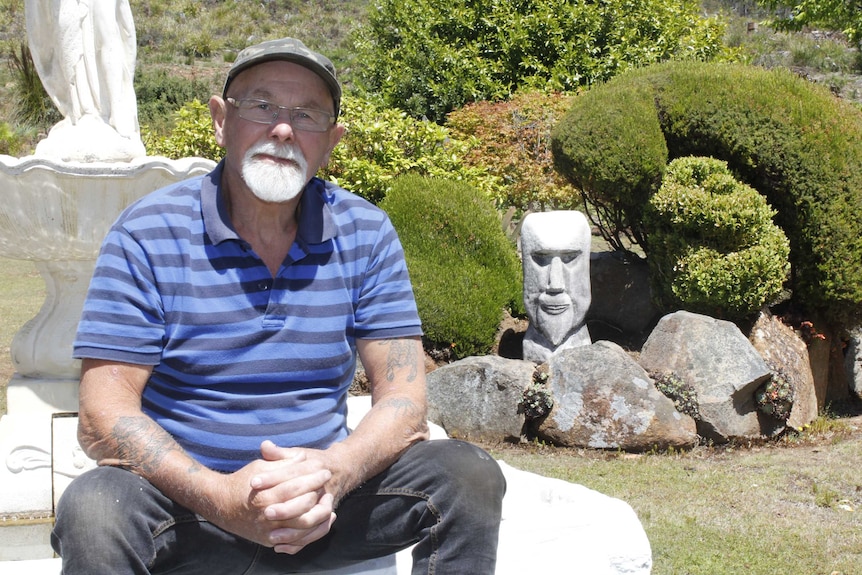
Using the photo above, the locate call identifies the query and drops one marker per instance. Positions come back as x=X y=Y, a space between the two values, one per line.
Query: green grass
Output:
x=22 y=292
x=759 y=511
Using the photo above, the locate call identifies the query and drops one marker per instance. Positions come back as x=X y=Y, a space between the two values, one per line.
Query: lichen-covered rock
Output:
x=604 y=399
x=716 y=359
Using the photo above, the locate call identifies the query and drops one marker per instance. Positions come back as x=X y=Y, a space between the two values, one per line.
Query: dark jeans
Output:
x=444 y=496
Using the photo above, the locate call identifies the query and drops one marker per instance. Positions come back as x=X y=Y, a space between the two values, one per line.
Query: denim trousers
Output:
x=443 y=496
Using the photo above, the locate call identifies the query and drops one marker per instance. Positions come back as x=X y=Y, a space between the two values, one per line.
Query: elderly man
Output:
x=218 y=342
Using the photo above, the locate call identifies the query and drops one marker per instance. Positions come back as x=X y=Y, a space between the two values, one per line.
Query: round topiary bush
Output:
x=791 y=140
x=714 y=248
x=464 y=270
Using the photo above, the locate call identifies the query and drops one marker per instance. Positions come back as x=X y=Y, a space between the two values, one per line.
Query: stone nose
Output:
x=556 y=276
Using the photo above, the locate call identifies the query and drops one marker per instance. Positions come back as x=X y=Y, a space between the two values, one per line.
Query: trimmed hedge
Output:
x=791 y=140
x=464 y=270
x=714 y=248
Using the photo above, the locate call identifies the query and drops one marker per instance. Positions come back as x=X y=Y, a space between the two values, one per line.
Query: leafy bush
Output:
x=160 y=95
x=512 y=141
x=32 y=105
x=464 y=270
x=610 y=146
x=379 y=144
x=430 y=58
x=12 y=143
x=791 y=140
x=842 y=15
x=382 y=143
x=713 y=246
x=191 y=136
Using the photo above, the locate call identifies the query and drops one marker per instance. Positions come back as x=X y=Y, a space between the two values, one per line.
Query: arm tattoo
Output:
x=402 y=406
x=142 y=444
x=402 y=353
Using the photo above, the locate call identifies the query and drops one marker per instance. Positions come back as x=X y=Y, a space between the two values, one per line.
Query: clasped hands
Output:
x=281 y=500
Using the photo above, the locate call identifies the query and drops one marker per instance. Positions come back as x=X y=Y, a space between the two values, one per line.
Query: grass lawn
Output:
x=791 y=508
x=22 y=292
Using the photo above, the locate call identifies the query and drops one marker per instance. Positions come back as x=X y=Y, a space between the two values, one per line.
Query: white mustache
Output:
x=271 y=149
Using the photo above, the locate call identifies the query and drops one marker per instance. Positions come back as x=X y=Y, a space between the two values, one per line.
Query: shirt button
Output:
x=263 y=286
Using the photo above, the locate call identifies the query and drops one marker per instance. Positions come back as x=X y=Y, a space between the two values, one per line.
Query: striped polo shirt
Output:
x=240 y=356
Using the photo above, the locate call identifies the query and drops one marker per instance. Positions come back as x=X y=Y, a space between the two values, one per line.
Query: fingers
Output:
x=293 y=508
x=271 y=452
x=305 y=529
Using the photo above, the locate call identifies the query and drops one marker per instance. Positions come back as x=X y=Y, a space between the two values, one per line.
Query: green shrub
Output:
x=382 y=143
x=12 y=143
x=429 y=58
x=160 y=95
x=791 y=140
x=512 y=141
x=31 y=104
x=713 y=246
x=464 y=270
x=610 y=146
x=191 y=136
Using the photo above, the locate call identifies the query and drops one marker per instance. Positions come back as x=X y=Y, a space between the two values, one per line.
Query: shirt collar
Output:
x=316 y=224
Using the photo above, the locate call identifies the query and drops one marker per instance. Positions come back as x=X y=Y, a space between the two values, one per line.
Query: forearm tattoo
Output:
x=142 y=444
x=402 y=354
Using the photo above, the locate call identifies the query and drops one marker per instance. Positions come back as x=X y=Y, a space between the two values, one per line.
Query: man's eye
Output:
x=301 y=114
x=265 y=106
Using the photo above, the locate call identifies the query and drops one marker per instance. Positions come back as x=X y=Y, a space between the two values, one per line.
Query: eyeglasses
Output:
x=263 y=112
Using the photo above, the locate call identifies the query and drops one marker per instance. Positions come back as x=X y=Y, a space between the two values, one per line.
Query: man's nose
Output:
x=281 y=128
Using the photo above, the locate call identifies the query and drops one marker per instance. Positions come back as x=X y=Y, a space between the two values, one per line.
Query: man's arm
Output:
x=114 y=430
x=398 y=417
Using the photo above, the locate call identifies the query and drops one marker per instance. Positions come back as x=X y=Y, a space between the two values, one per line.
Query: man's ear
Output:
x=218 y=113
x=335 y=135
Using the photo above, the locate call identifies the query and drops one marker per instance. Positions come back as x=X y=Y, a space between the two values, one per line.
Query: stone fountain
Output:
x=55 y=208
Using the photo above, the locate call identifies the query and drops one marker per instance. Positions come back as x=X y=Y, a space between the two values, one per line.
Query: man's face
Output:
x=556 y=274
x=275 y=161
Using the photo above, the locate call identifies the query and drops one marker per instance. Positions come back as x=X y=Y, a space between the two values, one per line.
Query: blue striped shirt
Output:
x=240 y=356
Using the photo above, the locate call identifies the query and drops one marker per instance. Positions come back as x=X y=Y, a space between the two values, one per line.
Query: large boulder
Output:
x=718 y=362
x=604 y=399
x=477 y=398
x=786 y=353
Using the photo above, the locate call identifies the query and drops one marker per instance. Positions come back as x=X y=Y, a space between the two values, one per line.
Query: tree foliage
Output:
x=841 y=15
x=429 y=58
x=382 y=143
x=511 y=141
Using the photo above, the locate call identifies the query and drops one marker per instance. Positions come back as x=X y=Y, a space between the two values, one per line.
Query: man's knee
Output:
x=102 y=487
x=465 y=466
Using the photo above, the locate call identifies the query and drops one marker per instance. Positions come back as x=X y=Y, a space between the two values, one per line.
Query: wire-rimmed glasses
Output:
x=263 y=112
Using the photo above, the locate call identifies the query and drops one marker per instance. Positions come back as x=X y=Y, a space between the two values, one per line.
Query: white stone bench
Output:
x=546 y=522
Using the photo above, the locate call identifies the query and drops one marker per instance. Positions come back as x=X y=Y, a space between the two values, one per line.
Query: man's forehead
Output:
x=278 y=76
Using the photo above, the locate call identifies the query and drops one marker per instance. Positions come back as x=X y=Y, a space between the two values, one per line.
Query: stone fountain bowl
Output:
x=58 y=211
x=56 y=214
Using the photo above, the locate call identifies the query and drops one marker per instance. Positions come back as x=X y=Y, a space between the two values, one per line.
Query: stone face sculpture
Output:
x=84 y=52
x=556 y=260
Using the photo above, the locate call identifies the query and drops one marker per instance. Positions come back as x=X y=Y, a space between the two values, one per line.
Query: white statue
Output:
x=555 y=248
x=84 y=52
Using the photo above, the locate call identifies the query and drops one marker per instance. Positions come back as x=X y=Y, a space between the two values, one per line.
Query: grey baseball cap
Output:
x=290 y=50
